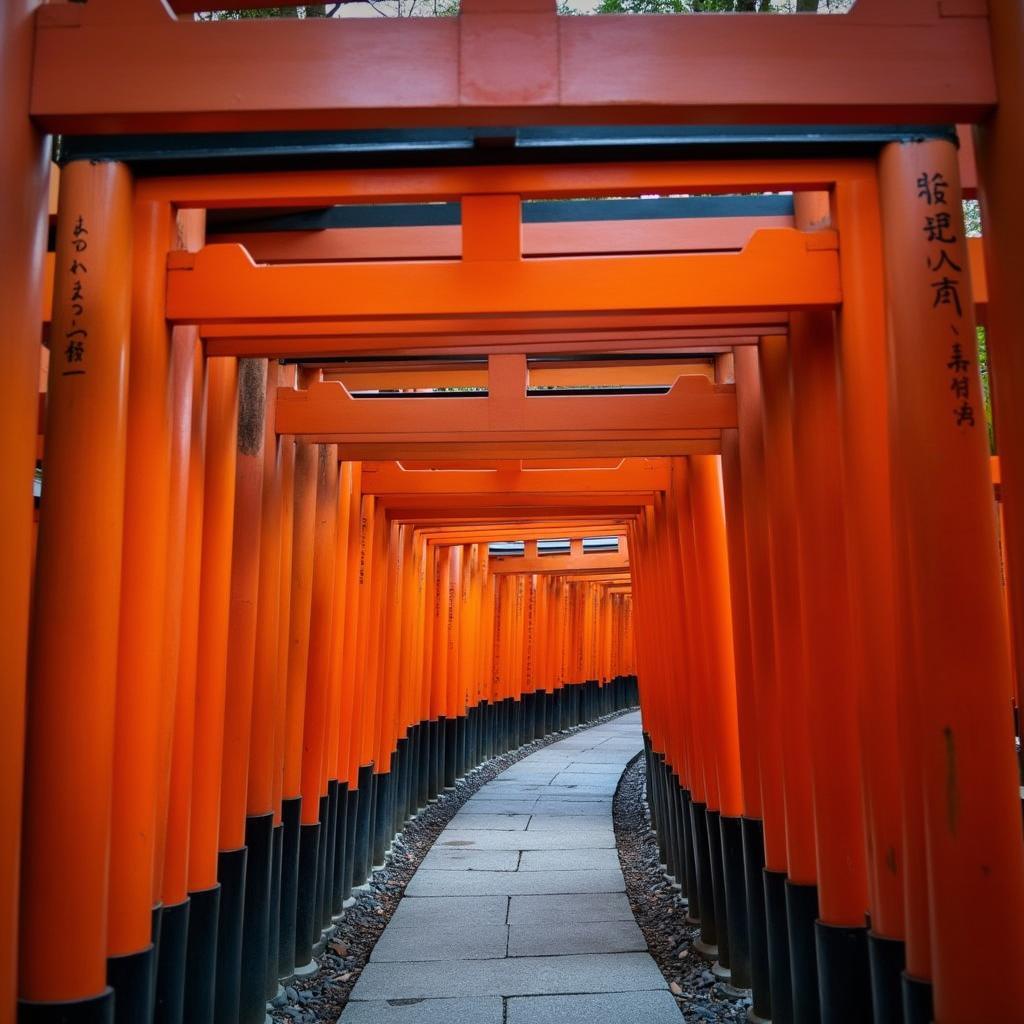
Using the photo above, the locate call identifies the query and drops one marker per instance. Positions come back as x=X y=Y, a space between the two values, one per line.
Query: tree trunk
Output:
x=806 y=6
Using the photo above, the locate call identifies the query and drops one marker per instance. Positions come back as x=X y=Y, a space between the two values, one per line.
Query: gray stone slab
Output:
x=499 y=805
x=612 y=1008
x=576 y=860
x=514 y=976
x=582 y=768
x=569 y=823
x=445 y=939
x=491 y=822
x=598 y=756
x=466 y=912
x=528 y=938
x=489 y=1010
x=582 y=908
x=454 y=858
x=576 y=839
x=509 y=883
x=574 y=809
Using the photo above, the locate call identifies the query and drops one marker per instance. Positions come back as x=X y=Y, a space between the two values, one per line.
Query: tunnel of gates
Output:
x=366 y=458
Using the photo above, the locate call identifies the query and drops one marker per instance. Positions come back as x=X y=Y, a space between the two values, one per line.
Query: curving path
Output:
x=518 y=914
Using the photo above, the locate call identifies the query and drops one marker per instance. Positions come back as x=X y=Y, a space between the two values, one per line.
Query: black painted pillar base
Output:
x=170 y=966
x=381 y=819
x=201 y=955
x=425 y=763
x=231 y=869
x=918 y=1007
x=802 y=913
x=777 y=925
x=844 y=977
x=753 y=865
x=735 y=884
x=361 y=853
x=96 y=1010
x=132 y=978
x=274 y=914
x=325 y=867
x=307 y=929
x=291 y=817
x=708 y=944
x=259 y=840
x=690 y=886
x=350 y=841
x=451 y=750
x=718 y=890
x=340 y=852
x=887 y=958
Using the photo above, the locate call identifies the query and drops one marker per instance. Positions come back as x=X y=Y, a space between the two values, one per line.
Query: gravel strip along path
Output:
x=319 y=998
x=661 y=914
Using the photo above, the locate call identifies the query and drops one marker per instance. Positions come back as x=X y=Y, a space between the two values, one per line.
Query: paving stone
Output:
x=576 y=809
x=491 y=822
x=577 y=839
x=513 y=976
x=441 y=940
x=499 y=805
x=612 y=1008
x=455 y=858
x=583 y=908
x=488 y=1010
x=592 y=769
x=569 y=823
x=508 y=883
x=528 y=938
x=577 y=860
x=465 y=910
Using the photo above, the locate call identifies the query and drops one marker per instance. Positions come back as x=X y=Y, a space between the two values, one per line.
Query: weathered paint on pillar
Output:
x=73 y=654
x=1000 y=152
x=24 y=170
x=972 y=800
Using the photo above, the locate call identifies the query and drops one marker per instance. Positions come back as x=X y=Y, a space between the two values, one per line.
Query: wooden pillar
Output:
x=832 y=697
x=211 y=669
x=73 y=654
x=233 y=855
x=24 y=170
x=972 y=800
x=140 y=673
x=870 y=540
x=181 y=631
x=801 y=885
x=1000 y=151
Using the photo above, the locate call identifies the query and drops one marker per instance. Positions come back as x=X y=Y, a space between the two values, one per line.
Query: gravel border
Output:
x=320 y=997
x=661 y=913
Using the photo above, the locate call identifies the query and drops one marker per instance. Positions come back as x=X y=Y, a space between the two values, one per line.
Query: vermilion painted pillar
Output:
x=999 y=150
x=766 y=847
x=24 y=170
x=864 y=411
x=73 y=654
x=181 y=631
x=300 y=587
x=307 y=928
x=211 y=669
x=971 y=795
x=233 y=847
x=140 y=672
x=832 y=697
x=801 y=884
x=262 y=835
x=706 y=502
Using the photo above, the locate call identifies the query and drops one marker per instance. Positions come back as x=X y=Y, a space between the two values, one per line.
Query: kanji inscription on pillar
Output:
x=945 y=261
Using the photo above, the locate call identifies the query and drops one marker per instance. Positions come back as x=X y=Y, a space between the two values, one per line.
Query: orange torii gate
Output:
x=941 y=492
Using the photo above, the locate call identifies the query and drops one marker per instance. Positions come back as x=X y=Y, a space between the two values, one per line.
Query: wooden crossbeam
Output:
x=777 y=270
x=509 y=422
x=126 y=66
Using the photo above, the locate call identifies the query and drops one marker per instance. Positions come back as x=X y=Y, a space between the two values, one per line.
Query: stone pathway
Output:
x=519 y=915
